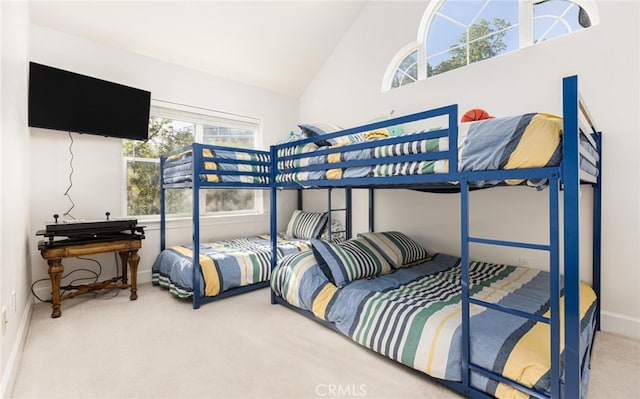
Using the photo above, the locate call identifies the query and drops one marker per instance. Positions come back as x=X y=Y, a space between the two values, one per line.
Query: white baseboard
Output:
x=144 y=276
x=620 y=324
x=10 y=373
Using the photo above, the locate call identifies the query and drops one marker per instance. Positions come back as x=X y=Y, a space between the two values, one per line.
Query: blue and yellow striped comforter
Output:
x=178 y=168
x=413 y=316
x=531 y=140
x=224 y=264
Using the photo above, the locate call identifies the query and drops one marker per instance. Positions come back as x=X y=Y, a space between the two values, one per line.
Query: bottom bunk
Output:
x=388 y=294
x=225 y=265
x=237 y=265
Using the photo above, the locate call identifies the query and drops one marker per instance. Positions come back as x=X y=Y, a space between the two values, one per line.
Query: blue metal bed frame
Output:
x=195 y=184
x=567 y=176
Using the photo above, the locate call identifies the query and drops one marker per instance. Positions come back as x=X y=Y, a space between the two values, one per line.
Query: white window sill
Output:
x=205 y=221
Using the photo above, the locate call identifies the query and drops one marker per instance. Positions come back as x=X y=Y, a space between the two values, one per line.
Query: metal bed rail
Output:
x=281 y=158
x=197 y=160
x=253 y=164
x=568 y=175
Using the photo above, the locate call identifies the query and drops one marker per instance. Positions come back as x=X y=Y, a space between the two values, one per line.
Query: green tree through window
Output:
x=143 y=169
x=484 y=40
x=456 y=33
x=166 y=134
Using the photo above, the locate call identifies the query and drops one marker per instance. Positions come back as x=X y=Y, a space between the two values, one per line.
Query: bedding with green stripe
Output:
x=350 y=260
x=223 y=265
x=178 y=168
x=532 y=140
x=413 y=316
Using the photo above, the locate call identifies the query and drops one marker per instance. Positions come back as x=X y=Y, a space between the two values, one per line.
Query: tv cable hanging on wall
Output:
x=66 y=193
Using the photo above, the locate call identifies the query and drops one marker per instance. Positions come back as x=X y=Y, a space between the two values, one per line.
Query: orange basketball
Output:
x=475 y=114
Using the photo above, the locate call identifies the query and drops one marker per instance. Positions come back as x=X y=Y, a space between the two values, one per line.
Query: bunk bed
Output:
x=481 y=329
x=227 y=267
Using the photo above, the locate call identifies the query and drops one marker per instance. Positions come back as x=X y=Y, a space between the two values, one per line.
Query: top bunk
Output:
x=204 y=165
x=438 y=151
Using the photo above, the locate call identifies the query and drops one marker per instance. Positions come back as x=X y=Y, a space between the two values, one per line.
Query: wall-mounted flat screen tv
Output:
x=67 y=101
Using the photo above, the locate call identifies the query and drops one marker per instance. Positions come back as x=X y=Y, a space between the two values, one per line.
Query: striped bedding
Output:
x=524 y=141
x=178 y=168
x=414 y=147
x=224 y=264
x=413 y=316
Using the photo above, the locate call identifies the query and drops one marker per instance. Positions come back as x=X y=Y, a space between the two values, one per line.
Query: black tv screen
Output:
x=63 y=100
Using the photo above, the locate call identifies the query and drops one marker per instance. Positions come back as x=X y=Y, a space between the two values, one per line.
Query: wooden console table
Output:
x=126 y=247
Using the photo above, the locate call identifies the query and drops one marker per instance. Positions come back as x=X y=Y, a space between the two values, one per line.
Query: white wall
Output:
x=98 y=181
x=347 y=92
x=15 y=237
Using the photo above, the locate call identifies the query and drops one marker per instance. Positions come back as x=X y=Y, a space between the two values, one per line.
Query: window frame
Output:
x=200 y=117
x=525 y=26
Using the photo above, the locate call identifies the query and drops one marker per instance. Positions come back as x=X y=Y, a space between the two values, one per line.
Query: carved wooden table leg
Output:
x=124 y=255
x=55 y=272
x=134 y=258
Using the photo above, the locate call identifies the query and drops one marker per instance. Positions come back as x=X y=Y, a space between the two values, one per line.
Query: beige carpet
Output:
x=239 y=347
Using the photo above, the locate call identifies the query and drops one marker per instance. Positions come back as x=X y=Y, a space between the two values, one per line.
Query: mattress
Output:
x=524 y=141
x=224 y=265
x=178 y=168
x=413 y=316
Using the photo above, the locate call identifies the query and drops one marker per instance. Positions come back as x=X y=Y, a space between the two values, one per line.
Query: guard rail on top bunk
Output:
x=566 y=176
x=199 y=166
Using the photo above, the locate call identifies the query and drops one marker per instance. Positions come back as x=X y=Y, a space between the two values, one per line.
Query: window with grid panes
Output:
x=172 y=127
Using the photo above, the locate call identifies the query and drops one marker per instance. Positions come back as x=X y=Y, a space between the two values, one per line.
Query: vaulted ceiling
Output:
x=276 y=45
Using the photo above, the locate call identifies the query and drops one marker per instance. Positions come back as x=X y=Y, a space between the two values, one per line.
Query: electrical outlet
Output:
x=4 y=321
x=524 y=262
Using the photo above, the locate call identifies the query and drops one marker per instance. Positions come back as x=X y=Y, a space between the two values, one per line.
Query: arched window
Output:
x=456 y=33
x=407 y=72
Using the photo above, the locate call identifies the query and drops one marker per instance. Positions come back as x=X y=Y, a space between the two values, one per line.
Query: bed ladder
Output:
x=347 y=210
x=467 y=300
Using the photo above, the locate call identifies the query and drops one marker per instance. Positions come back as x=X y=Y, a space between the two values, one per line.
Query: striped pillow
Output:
x=306 y=225
x=350 y=260
x=398 y=248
